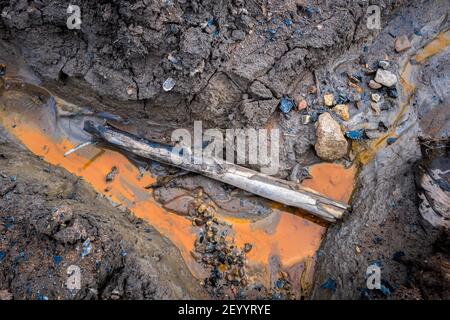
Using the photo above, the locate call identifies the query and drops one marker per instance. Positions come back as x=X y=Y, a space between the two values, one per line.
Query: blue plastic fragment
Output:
x=288 y=22
x=2 y=255
x=86 y=248
x=57 y=260
x=330 y=284
x=211 y=22
x=279 y=284
x=391 y=140
x=286 y=104
x=356 y=134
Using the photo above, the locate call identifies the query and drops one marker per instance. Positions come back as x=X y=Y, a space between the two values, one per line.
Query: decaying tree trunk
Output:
x=262 y=185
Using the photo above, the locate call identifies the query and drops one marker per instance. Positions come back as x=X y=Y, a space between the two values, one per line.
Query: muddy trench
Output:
x=364 y=120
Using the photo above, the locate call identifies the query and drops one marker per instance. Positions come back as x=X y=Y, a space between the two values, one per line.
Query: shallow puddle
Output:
x=284 y=240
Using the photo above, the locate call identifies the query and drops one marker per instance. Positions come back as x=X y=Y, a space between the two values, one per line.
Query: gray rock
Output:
x=383 y=64
x=238 y=35
x=374 y=85
x=386 y=78
x=330 y=142
x=260 y=91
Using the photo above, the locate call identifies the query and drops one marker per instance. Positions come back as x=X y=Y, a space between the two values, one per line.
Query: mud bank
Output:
x=52 y=220
x=231 y=61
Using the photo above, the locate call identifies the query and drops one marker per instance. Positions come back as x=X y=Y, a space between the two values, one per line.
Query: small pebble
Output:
x=168 y=84
x=402 y=43
x=384 y=64
x=375 y=97
x=386 y=78
x=342 y=111
x=374 y=85
x=302 y=105
x=328 y=99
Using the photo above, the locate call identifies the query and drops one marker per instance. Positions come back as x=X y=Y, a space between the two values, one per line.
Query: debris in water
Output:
x=168 y=84
x=402 y=43
x=79 y=147
x=386 y=78
x=391 y=140
x=248 y=247
x=286 y=104
x=112 y=174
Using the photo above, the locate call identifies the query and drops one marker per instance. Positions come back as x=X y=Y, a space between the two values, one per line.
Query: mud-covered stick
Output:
x=257 y=183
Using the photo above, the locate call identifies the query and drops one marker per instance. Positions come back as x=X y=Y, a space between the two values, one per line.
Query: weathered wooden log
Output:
x=278 y=190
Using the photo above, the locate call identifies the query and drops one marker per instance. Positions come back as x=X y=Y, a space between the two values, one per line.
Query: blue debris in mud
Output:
x=41 y=297
x=19 y=258
x=330 y=284
x=391 y=140
x=57 y=260
x=386 y=289
x=287 y=22
x=272 y=34
x=393 y=93
x=286 y=104
x=279 y=284
x=211 y=21
x=2 y=255
x=356 y=134
x=376 y=263
x=311 y=10
x=342 y=98
x=397 y=256
x=86 y=248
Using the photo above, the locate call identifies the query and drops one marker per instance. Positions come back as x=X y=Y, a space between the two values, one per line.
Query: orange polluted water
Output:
x=281 y=241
